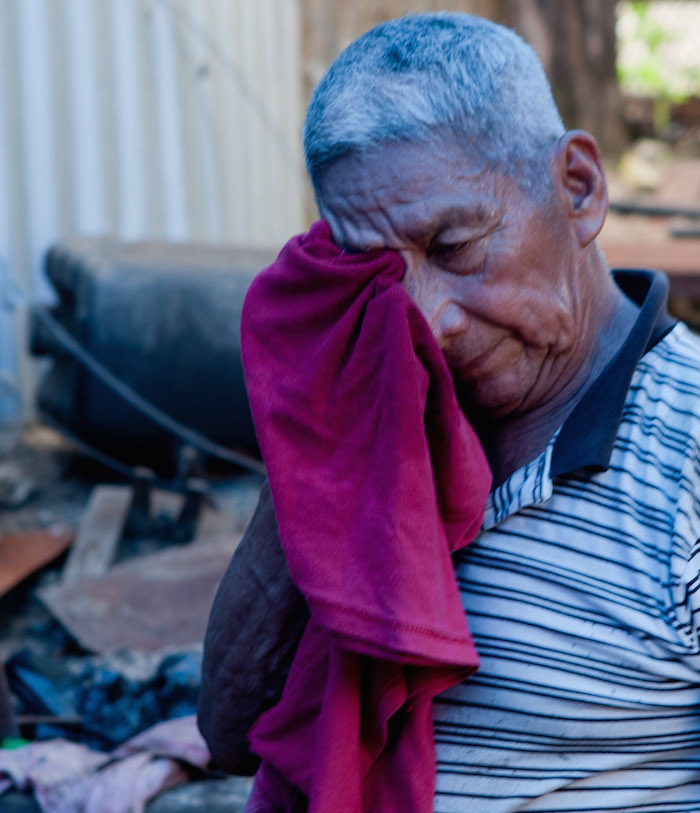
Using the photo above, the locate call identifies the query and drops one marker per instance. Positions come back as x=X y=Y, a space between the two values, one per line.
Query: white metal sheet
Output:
x=174 y=119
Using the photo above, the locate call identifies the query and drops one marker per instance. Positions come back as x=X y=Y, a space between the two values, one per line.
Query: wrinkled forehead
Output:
x=406 y=169
x=403 y=189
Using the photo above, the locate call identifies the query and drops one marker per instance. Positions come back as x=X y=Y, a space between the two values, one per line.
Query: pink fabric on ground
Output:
x=67 y=777
x=376 y=478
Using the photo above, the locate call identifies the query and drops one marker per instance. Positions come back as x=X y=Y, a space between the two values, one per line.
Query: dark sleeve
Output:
x=254 y=628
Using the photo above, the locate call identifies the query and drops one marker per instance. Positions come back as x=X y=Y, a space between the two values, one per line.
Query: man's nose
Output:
x=436 y=300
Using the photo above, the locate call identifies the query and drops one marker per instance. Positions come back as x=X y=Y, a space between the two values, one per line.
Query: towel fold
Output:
x=376 y=477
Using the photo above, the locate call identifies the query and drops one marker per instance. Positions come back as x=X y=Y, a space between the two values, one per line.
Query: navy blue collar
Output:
x=586 y=439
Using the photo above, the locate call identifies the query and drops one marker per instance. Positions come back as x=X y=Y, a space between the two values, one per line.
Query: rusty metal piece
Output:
x=24 y=552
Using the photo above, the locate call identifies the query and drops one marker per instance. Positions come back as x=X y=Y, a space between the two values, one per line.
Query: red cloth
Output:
x=376 y=478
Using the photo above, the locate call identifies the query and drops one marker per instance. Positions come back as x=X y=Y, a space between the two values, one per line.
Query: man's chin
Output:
x=483 y=405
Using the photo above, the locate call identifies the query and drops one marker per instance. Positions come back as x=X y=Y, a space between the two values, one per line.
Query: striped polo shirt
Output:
x=582 y=596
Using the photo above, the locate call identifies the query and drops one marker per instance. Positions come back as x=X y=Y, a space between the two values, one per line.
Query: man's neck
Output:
x=512 y=442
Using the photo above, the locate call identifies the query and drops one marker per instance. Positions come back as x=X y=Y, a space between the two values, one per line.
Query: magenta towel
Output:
x=376 y=477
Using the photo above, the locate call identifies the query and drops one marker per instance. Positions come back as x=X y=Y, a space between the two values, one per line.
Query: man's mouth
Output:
x=474 y=366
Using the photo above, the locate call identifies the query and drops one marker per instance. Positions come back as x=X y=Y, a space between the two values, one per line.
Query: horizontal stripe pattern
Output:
x=583 y=597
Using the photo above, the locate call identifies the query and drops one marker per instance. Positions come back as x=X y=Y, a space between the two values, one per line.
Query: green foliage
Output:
x=648 y=63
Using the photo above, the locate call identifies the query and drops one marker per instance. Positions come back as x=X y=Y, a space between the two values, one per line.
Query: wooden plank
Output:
x=100 y=530
x=24 y=552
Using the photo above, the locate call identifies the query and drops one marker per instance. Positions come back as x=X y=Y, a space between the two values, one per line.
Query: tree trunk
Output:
x=575 y=40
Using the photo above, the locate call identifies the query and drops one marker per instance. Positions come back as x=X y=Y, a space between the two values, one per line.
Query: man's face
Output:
x=485 y=263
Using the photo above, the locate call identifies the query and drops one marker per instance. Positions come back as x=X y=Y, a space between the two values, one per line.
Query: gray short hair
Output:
x=419 y=76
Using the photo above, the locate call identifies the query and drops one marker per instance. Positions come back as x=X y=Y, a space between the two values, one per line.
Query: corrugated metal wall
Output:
x=175 y=119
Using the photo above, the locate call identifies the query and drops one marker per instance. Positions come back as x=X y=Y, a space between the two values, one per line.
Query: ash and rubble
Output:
x=98 y=688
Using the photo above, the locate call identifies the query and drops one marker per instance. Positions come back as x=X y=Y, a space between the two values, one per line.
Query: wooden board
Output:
x=100 y=530
x=24 y=552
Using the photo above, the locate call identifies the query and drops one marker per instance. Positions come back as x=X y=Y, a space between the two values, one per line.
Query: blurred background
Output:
x=179 y=120
x=150 y=166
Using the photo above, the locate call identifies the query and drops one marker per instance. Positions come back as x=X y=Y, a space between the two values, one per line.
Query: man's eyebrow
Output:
x=477 y=213
x=459 y=216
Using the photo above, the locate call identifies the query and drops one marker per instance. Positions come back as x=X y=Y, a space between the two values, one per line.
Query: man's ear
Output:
x=577 y=172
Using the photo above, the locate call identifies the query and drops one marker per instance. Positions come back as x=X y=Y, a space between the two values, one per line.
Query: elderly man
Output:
x=436 y=137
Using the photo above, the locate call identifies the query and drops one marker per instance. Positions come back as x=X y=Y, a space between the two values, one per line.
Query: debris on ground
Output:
x=138 y=603
x=68 y=777
x=103 y=701
x=105 y=590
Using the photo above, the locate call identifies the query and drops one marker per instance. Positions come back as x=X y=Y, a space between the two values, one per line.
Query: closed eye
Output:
x=445 y=251
x=461 y=257
x=464 y=257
